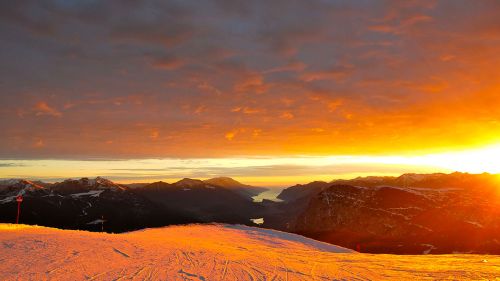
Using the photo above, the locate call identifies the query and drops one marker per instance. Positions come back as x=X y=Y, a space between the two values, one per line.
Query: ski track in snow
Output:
x=213 y=252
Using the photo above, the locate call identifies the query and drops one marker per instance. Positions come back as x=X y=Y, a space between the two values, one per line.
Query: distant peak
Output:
x=9 y=181
x=224 y=182
x=104 y=181
x=223 y=178
x=189 y=182
x=100 y=182
x=21 y=183
x=419 y=177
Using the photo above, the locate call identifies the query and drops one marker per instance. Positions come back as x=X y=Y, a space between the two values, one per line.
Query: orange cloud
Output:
x=256 y=132
x=422 y=75
x=39 y=143
x=287 y=115
x=336 y=73
x=168 y=63
x=294 y=66
x=230 y=135
x=396 y=24
x=155 y=133
x=253 y=83
x=42 y=108
x=333 y=105
x=246 y=110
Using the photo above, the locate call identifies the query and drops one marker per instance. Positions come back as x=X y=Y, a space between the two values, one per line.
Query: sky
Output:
x=270 y=92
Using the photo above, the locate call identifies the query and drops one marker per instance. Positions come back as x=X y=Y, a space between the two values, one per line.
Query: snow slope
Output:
x=212 y=252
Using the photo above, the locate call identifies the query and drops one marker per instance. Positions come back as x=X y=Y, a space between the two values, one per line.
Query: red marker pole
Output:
x=19 y=199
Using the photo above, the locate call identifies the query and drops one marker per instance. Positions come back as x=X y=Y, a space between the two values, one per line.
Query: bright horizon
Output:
x=259 y=171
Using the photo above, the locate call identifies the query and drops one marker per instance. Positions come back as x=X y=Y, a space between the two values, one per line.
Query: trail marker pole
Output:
x=19 y=199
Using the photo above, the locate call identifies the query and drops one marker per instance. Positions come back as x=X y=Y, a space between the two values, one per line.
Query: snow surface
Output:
x=258 y=221
x=213 y=252
x=99 y=221
x=475 y=223
x=10 y=198
x=92 y=193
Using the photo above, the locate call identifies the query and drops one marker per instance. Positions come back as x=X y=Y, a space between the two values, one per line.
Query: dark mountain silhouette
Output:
x=300 y=191
x=281 y=215
x=202 y=200
x=409 y=214
x=81 y=204
x=229 y=183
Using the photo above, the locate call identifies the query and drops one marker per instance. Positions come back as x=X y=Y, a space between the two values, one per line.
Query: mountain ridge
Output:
x=375 y=213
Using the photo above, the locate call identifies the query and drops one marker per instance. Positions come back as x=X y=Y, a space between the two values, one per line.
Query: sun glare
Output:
x=484 y=160
x=277 y=171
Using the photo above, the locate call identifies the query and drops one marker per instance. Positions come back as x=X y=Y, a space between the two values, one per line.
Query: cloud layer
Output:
x=127 y=79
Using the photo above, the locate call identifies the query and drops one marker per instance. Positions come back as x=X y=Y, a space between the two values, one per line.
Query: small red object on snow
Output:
x=19 y=199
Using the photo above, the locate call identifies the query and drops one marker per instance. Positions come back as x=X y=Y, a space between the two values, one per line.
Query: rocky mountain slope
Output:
x=411 y=214
x=229 y=183
x=203 y=200
x=92 y=204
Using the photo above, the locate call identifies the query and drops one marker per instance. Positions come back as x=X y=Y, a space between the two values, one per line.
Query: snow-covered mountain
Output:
x=213 y=252
x=101 y=183
x=79 y=203
x=76 y=204
x=71 y=186
x=19 y=184
x=11 y=188
x=412 y=214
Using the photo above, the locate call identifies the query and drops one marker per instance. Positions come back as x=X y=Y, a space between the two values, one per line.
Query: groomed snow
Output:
x=212 y=252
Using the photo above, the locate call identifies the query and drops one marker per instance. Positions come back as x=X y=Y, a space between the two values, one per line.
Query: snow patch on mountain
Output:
x=92 y=193
x=100 y=183
x=17 y=187
x=99 y=221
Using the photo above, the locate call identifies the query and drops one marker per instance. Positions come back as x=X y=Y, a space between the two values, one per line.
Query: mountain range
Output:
x=409 y=214
x=91 y=203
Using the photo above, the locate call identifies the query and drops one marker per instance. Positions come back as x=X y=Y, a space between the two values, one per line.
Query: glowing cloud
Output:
x=184 y=79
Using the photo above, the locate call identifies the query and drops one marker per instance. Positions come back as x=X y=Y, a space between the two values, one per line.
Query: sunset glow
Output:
x=266 y=171
x=250 y=140
x=353 y=88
